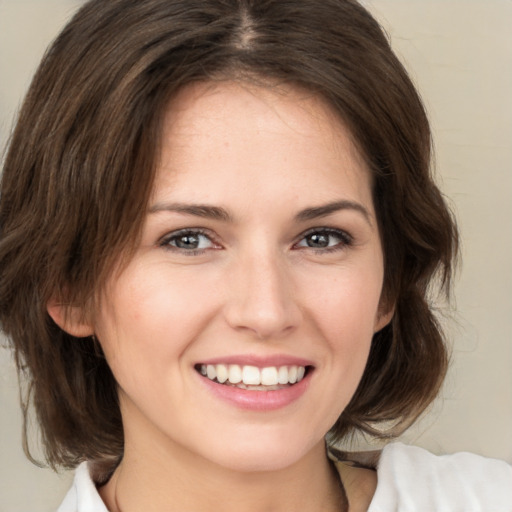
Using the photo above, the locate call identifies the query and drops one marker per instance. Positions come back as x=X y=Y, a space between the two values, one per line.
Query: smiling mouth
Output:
x=248 y=377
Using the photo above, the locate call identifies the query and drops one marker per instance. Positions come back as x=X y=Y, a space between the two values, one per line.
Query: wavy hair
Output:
x=80 y=168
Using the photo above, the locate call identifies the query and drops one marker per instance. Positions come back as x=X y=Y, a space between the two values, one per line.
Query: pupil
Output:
x=188 y=242
x=318 y=240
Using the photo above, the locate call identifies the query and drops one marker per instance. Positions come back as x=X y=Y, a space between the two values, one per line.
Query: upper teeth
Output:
x=252 y=375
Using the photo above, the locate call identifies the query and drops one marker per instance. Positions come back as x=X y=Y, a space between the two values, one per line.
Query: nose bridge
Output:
x=262 y=299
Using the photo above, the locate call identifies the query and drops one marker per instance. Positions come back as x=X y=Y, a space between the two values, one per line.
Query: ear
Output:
x=383 y=318
x=70 y=319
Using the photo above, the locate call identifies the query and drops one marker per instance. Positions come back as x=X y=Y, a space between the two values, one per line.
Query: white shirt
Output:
x=410 y=479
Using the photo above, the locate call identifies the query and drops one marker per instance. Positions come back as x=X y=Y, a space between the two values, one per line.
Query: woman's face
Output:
x=260 y=260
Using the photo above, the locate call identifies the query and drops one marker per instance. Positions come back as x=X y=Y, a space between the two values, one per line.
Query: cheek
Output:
x=344 y=314
x=150 y=314
x=346 y=304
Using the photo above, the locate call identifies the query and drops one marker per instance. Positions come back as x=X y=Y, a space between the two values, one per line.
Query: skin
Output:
x=254 y=288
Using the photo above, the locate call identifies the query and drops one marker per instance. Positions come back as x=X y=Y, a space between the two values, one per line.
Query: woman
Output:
x=218 y=234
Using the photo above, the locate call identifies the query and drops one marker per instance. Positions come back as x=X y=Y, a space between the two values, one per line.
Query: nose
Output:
x=261 y=299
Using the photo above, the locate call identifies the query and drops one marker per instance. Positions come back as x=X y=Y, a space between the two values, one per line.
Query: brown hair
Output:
x=81 y=163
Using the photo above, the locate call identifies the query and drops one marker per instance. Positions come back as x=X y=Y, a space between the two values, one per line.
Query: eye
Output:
x=188 y=240
x=325 y=239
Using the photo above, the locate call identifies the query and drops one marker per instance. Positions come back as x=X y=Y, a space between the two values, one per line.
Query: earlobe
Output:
x=383 y=318
x=70 y=319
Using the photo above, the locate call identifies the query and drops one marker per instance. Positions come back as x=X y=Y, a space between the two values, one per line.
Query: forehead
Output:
x=268 y=139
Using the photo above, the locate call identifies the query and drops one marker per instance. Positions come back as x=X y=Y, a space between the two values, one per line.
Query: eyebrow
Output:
x=219 y=213
x=323 y=211
x=198 y=210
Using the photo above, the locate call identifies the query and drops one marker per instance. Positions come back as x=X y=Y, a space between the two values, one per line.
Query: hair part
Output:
x=81 y=164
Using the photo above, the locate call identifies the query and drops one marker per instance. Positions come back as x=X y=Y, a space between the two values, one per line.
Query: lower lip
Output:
x=258 y=400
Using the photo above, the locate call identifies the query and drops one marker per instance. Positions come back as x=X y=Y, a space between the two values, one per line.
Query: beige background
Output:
x=460 y=55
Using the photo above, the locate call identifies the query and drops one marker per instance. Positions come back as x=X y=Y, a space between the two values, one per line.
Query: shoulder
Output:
x=405 y=478
x=83 y=495
x=411 y=478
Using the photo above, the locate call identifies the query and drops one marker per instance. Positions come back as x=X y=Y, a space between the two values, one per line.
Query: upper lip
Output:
x=259 y=361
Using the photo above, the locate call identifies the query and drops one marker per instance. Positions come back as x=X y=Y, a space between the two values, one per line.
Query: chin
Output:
x=257 y=454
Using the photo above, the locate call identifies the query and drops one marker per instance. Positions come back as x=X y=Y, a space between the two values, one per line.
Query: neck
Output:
x=153 y=480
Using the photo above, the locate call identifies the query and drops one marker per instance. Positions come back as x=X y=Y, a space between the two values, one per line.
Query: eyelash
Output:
x=165 y=242
x=346 y=240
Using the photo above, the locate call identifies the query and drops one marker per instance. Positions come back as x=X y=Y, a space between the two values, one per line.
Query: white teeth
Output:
x=282 y=375
x=252 y=375
x=269 y=376
x=211 y=373
x=235 y=374
x=222 y=373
